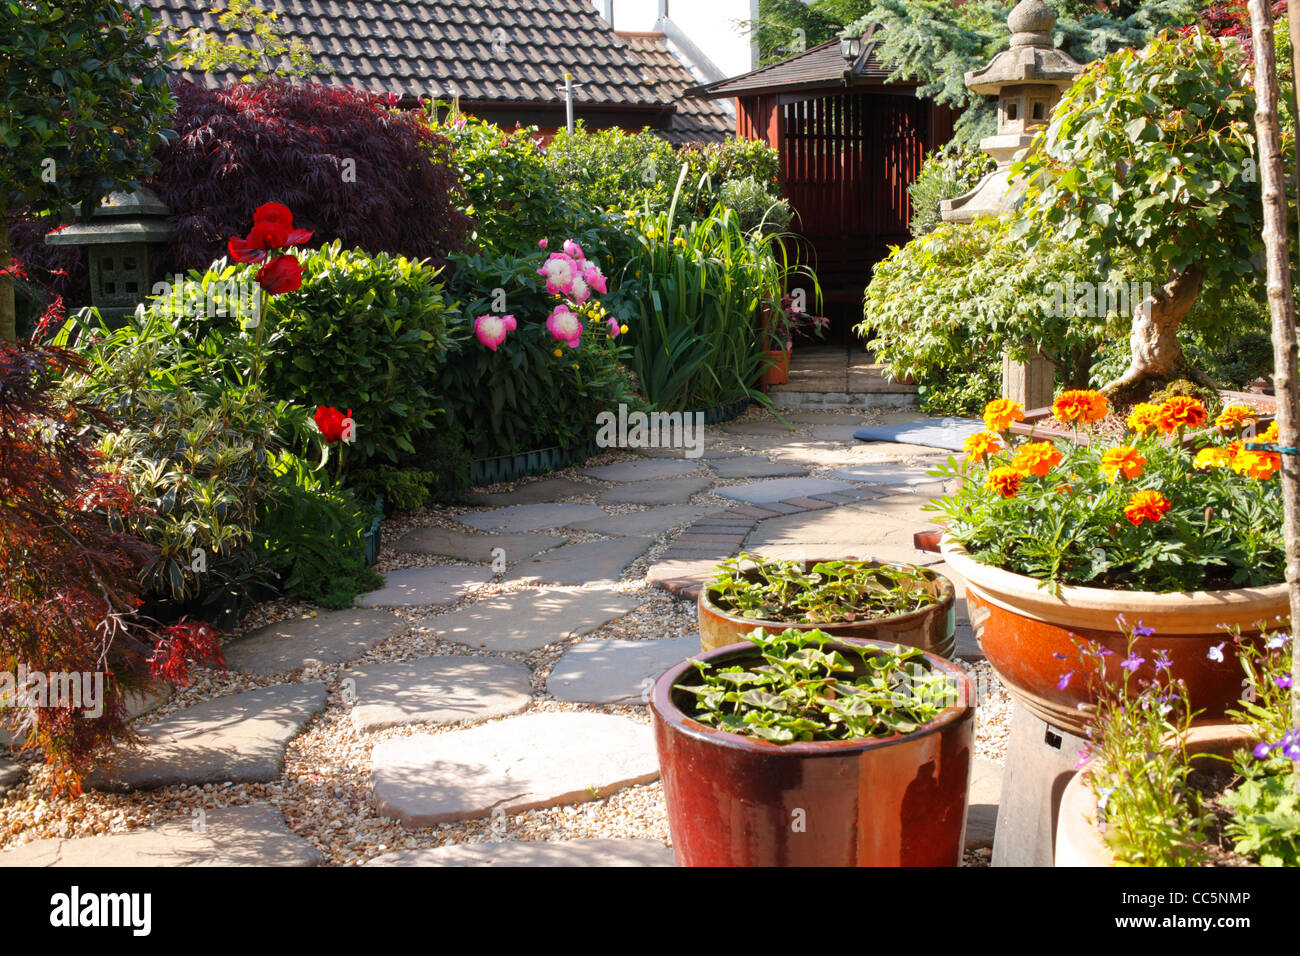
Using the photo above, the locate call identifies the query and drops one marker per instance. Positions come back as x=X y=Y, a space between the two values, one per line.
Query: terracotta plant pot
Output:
x=777 y=371
x=1022 y=628
x=880 y=801
x=932 y=629
x=1079 y=842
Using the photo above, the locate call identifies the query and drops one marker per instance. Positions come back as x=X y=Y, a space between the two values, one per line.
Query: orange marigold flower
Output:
x=1036 y=458
x=1064 y=489
x=1234 y=418
x=1181 y=412
x=1213 y=457
x=1001 y=412
x=1260 y=465
x=1082 y=406
x=1146 y=506
x=1124 y=460
x=1144 y=417
x=1005 y=481
x=981 y=445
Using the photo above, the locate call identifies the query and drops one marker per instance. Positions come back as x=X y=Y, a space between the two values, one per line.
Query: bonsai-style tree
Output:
x=86 y=101
x=1149 y=163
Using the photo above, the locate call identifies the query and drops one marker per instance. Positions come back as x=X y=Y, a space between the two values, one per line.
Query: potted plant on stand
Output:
x=1056 y=539
x=800 y=749
x=866 y=600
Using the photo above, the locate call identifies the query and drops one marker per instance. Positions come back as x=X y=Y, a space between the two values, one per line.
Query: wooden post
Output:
x=1031 y=383
x=1281 y=307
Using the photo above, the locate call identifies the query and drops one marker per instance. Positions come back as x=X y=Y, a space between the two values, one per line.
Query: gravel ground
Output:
x=324 y=791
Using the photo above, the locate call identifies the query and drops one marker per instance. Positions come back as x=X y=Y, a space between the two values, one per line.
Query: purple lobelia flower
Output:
x=1163 y=660
x=1283 y=680
x=1262 y=750
x=1278 y=640
x=1132 y=662
x=1064 y=682
x=1216 y=652
x=1142 y=631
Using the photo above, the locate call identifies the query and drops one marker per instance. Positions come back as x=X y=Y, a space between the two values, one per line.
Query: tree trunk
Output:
x=1281 y=306
x=8 y=315
x=1293 y=27
x=1157 y=353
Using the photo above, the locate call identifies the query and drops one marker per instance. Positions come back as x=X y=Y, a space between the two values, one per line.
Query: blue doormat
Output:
x=949 y=433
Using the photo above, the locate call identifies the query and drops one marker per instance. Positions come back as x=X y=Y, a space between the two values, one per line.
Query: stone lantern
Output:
x=119 y=238
x=1027 y=79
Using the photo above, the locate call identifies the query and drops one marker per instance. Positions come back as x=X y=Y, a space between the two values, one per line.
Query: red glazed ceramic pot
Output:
x=879 y=801
x=1030 y=636
x=932 y=628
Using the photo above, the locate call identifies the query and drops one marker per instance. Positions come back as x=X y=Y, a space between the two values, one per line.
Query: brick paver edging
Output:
x=689 y=560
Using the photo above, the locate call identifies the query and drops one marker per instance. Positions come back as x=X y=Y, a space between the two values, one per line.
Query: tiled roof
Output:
x=697 y=120
x=821 y=65
x=500 y=51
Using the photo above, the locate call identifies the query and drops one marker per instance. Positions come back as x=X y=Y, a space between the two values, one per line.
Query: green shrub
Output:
x=946 y=173
x=962 y=392
x=753 y=204
x=524 y=396
x=366 y=333
x=613 y=168
x=193 y=439
x=403 y=489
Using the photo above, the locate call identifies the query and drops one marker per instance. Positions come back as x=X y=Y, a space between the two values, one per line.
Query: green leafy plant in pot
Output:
x=800 y=749
x=865 y=600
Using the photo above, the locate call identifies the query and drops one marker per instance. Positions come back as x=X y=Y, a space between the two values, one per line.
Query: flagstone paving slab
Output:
x=595 y=562
x=758 y=428
x=985 y=795
x=239 y=738
x=529 y=517
x=526 y=620
x=751 y=467
x=837 y=433
x=547 y=853
x=438 y=690
x=150 y=698
x=642 y=470
x=330 y=637
x=616 y=671
x=419 y=587
x=476 y=547
x=667 y=491
x=707 y=453
x=512 y=765
x=226 y=836
x=760 y=492
x=650 y=521
x=11 y=774
x=532 y=493
x=916 y=479
x=859 y=532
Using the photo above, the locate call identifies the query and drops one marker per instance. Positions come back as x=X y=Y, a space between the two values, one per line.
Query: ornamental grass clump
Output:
x=830 y=592
x=798 y=689
x=1142 y=512
x=1154 y=806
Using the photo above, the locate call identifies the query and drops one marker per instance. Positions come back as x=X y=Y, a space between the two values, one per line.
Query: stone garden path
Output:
x=504 y=666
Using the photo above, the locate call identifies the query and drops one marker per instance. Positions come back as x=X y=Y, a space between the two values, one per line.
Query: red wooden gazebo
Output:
x=850 y=145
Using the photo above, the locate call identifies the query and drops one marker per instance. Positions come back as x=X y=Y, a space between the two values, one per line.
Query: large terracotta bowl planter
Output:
x=1029 y=635
x=1078 y=840
x=881 y=801
x=932 y=629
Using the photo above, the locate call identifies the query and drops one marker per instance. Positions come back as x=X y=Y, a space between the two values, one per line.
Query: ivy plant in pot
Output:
x=866 y=600
x=1055 y=539
x=800 y=749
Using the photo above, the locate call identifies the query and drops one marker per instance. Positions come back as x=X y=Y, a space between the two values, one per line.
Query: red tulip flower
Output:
x=281 y=274
x=272 y=229
x=330 y=422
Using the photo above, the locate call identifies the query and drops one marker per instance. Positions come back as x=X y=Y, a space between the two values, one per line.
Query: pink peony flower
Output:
x=591 y=275
x=579 y=291
x=491 y=330
x=573 y=250
x=559 y=271
x=564 y=326
x=614 y=328
x=541 y=243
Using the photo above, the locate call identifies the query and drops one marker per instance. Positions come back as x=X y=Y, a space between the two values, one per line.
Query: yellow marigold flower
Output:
x=1005 y=481
x=1234 y=418
x=1081 y=406
x=1144 y=417
x=1260 y=465
x=1181 y=411
x=1269 y=434
x=1212 y=457
x=1124 y=460
x=982 y=445
x=1001 y=412
x=1036 y=458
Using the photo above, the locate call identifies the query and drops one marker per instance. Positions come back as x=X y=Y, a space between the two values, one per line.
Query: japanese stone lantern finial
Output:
x=1027 y=79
